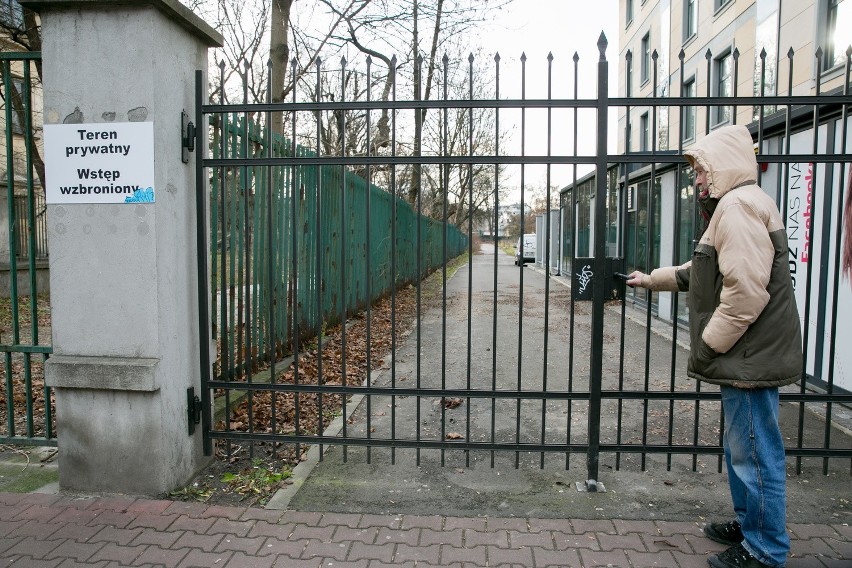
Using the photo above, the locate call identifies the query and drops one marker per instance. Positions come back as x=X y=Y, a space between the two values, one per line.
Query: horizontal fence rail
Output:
x=27 y=409
x=500 y=360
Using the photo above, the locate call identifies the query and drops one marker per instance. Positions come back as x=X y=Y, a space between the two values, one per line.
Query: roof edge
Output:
x=185 y=17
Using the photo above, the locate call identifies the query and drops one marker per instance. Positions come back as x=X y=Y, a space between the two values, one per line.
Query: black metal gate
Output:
x=355 y=303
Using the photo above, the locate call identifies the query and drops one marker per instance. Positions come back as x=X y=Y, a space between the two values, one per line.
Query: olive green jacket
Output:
x=744 y=325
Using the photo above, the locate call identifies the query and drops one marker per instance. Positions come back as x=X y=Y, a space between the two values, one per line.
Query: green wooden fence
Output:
x=295 y=248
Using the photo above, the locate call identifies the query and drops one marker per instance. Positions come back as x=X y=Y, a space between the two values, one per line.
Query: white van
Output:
x=527 y=253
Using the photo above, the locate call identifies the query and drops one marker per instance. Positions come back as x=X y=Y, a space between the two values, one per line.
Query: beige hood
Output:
x=727 y=155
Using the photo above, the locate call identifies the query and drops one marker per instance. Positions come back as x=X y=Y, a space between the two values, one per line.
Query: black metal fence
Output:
x=27 y=412
x=37 y=237
x=497 y=358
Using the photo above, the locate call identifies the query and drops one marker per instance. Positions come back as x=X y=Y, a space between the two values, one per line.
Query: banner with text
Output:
x=99 y=163
x=799 y=211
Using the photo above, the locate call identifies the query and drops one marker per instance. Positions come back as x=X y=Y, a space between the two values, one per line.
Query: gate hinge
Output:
x=193 y=406
x=187 y=137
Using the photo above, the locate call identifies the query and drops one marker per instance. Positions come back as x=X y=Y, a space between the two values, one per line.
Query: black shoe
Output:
x=728 y=533
x=735 y=557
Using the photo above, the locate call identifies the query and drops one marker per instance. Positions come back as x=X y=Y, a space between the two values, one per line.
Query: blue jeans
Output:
x=754 y=452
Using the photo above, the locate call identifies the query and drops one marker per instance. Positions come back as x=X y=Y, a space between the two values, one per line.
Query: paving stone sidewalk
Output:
x=65 y=531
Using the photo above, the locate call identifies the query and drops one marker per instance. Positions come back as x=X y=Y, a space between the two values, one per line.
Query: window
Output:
x=11 y=14
x=719 y=4
x=15 y=93
x=628 y=136
x=638 y=238
x=628 y=75
x=644 y=132
x=686 y=231
x=628 y=13
x=766 y=40
x=567 y=206
x=689 y=19
x=584 y=205
x=838 y=32
x=613 y=209
x=723 y=86
x=646 y=58
x=687 y=120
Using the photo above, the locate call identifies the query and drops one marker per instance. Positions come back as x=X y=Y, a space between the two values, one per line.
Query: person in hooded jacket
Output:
x=745 y=335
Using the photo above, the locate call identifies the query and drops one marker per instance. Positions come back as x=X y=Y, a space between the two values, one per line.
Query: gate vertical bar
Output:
x=625 y=190
x=320 y=318
x=521 y=263
x=368 y=257
x=547 y=257
x=246 y=283
x=344 y=241
x=649 y=252
x=469 y=254
x=598 y=289
x=271 y=253
x=297 y=176
x=837 y=262
x=496 y=251
x=394 y=276
x=13 y=244
x=572 y=253
x=676 y=256
x=203 y=252
x=445 y=180
x=418 y=180
x=13 y=240
x=806 y=328
x=28 y=241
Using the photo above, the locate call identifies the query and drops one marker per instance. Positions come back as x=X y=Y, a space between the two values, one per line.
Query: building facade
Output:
x=711 y=49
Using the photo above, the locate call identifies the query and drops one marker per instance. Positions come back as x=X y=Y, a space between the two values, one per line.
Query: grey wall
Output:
x=123 y=276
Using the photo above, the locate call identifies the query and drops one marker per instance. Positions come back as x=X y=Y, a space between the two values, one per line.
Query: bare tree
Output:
x=279 y=55
x=285 y=40
x=25 y=37
x=389 y=27
x=393 y=34
x=468 y=189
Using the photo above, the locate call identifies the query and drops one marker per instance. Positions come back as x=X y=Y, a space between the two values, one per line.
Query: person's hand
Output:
x=635 y=278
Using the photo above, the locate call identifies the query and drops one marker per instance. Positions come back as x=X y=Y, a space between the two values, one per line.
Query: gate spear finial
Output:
x=602 y=43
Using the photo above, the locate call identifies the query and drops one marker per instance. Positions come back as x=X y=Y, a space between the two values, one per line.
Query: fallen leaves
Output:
x=25 y=396
x=24 y=390
x=309 y=413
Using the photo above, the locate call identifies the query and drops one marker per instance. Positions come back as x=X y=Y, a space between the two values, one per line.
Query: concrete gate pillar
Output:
x=123 y=276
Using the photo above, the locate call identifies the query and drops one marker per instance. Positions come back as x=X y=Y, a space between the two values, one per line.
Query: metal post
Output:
x=203 y=255
x=599 y=282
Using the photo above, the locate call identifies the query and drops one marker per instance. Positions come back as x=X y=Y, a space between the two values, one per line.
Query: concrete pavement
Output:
x=469 y=485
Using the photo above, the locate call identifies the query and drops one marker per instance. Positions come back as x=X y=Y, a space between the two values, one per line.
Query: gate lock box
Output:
x=582 y=278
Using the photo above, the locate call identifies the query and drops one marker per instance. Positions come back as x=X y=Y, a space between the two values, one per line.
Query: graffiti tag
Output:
x=584 y=277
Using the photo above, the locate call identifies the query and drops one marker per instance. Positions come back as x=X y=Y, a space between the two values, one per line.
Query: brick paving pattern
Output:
x=60 y=531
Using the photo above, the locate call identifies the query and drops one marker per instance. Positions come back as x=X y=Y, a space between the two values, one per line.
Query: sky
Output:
x=560 y=27
x=536 y=28
x=539 y=27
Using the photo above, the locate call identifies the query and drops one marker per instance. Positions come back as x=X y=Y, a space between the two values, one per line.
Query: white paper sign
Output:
x=99 y=163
